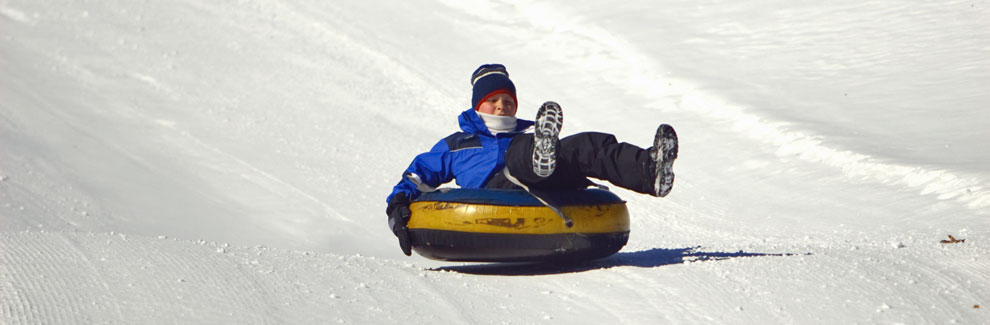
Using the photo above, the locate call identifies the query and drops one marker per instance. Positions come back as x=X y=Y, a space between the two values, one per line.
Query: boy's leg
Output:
x=519 y=162
x=599 y=155
x=533 y=158
x=588 y=154
x=541 y=160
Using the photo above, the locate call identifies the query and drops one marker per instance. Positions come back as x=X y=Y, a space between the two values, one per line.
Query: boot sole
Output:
x=549 y=120
x=665 y=144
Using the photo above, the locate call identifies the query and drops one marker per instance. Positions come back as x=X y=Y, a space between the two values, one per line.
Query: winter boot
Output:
x=549 y=120
x=663 y=153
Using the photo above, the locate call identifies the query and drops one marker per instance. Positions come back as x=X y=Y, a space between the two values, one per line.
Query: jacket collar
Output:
x=472 y=123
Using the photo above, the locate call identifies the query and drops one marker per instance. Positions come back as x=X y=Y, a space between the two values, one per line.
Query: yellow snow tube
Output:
x=485 y=225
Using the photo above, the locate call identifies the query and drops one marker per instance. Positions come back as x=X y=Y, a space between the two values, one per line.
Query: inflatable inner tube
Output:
x=491 y=225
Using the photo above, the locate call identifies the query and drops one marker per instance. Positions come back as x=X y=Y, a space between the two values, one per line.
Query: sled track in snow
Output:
x=106 y=277
x=50 y=264
x=73 y=277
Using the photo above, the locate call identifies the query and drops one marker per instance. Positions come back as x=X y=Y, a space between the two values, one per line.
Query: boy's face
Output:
x=499 y=104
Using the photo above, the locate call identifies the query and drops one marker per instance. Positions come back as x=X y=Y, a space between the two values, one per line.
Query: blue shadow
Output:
x=656 y=257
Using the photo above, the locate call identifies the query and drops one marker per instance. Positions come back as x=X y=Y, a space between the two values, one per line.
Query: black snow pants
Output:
x=588 y=154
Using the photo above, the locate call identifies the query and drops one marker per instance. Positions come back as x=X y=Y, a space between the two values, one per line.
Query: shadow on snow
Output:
x=649 y=258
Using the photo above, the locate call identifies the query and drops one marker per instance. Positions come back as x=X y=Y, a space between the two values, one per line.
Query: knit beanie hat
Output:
x=489 y=80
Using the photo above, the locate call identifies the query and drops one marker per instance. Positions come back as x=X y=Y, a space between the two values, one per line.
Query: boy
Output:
x=492 y=151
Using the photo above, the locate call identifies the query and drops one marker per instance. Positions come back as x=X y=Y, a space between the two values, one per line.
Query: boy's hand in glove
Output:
x=398 y=218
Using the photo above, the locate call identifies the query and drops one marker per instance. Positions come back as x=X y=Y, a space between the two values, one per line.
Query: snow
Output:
x=228 y=161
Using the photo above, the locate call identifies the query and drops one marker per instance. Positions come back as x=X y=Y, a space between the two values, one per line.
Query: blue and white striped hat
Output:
x=489 y=80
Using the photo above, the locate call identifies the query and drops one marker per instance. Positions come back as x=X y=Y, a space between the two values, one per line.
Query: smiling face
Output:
x=498 y=104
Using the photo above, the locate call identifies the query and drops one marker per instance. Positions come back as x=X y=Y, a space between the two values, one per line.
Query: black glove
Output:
x=398 y=218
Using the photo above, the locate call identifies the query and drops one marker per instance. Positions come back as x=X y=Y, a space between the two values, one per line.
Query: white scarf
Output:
x=497 y=123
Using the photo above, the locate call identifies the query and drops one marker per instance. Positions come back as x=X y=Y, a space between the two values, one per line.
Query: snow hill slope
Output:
x=228 y=161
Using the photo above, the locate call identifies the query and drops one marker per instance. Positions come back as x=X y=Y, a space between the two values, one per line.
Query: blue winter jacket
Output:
x=471 y=156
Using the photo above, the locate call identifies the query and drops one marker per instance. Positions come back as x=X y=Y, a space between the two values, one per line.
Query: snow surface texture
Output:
x=228 y=161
